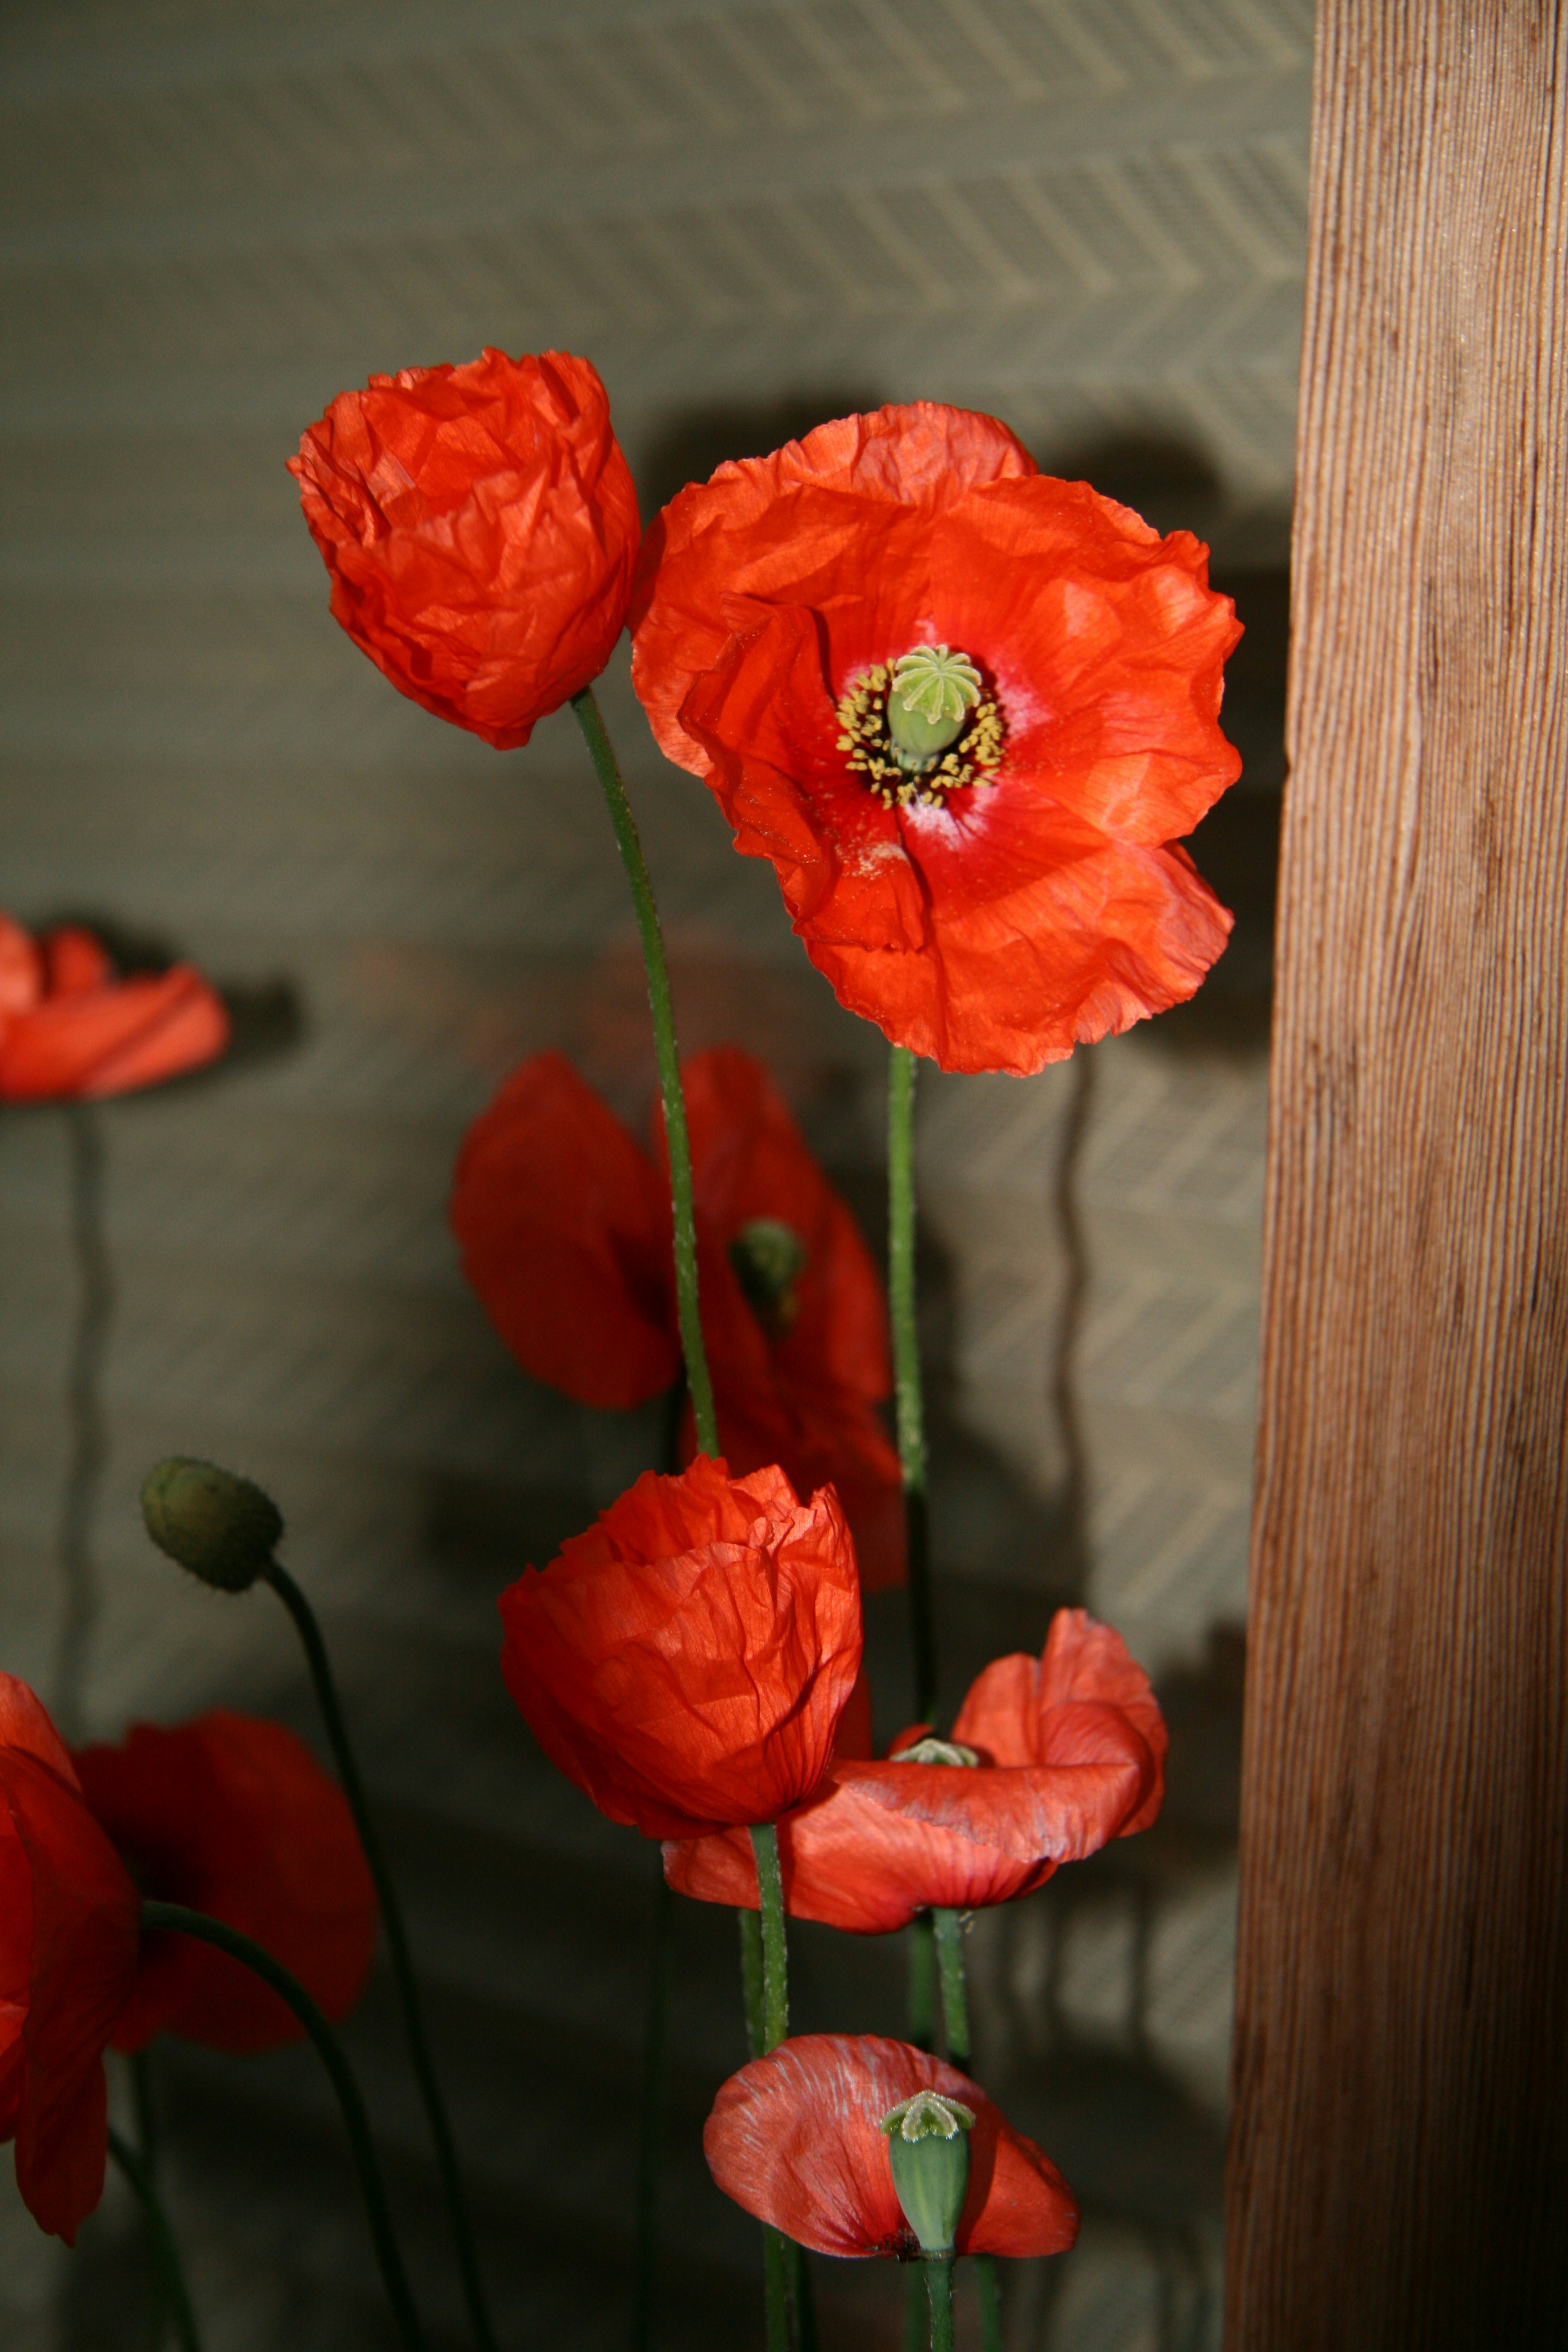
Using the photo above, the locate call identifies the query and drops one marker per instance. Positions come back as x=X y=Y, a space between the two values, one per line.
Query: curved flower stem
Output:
x=408 y=2000
x=938 y=2269
x=88 y=1436
x=176 y=1917
x=791 y=2320
x=650 y=2136
x=902 y=1068
x=173 y=2294
x=602 y=752
x=954 y=1988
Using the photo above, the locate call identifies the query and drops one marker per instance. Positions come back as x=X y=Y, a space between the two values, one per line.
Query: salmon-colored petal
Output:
x=114 y=1040
x=1049 y=1710
x=795 y=2139
x=75 y=961
x=564 y=1225
x=232 y=1815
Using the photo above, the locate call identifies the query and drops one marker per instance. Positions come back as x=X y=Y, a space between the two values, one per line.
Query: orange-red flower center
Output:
x=921 y=725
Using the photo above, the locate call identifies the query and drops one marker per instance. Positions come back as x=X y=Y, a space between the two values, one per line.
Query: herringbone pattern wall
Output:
x=1085 y=217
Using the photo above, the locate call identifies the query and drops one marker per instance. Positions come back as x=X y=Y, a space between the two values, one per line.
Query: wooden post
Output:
x=1398 y=2174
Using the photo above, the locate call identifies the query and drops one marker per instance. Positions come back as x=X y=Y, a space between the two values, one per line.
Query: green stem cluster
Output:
x=606 y=768
x=172 y=2296
x=408 y=1997
x=173 y=1918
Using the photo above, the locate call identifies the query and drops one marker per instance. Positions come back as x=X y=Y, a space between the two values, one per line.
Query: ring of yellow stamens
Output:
x=921 y=727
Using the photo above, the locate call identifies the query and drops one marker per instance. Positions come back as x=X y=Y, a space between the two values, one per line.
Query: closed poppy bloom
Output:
x=1049 y=1758
x=564 y=1222
x=687 y=1660
x=68 y=1963
x=233 y=1816
x=70 y=1030
x=963 y=709
x=795 y=2139
x=481 y=527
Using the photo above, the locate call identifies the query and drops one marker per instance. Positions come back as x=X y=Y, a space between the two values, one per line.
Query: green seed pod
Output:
x=219 y=1525
x=928 y=2148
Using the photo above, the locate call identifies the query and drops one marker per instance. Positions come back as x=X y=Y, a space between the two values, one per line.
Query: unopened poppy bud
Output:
x=931 y=1750
x=216 y=1524
x=769 y=1259
x=928 y=2148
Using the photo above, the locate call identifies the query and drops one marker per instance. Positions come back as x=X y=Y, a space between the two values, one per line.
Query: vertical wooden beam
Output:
x=1398 y=2174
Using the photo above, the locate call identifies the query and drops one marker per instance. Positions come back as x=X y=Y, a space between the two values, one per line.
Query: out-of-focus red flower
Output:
x=795 y=2139
x=1070 y=1751
x=994 y=897
x=481 y=527
x=564 y=1229
x=70 y=1030
x=687 y=1660
x=67 y=1962
x=233 y=1816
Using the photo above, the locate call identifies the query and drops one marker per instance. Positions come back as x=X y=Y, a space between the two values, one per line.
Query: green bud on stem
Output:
x=216 y=1524
x=928 y=2148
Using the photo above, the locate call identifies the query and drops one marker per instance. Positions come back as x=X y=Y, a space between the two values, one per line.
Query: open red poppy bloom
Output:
x=565 y=1234
x=795 y=2139
x=70 y=1030
x=1049 y=1758
x=233 y=1816
x=67 y=1962
x=481 y=527
x=687 y=1660
x=963 y=707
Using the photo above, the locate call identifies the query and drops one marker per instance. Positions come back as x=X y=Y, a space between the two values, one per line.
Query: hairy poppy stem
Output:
x=948 y=1933
x=949 y=1930
x=605 y=767
x=938 y=2269
x=751 y=1926
x=922 y=1980
x=902 y=1068
x=651 y=2136
x=408 y=2000
x=173 y=2294
x=174 y=1917
x=775 y=1956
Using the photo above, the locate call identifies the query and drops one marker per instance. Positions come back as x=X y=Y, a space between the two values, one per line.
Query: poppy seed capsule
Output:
x=219 y=1525
x=928 y=2148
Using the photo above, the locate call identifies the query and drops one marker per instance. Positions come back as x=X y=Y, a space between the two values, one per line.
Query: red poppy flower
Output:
x=67 y=1962
x=687 y=1660
x=795 y=2139
x=481 y=527
x=232 y=1815
x=70 y=1029
x=564 y=1229
x=963 y=708
x=1049 y=1758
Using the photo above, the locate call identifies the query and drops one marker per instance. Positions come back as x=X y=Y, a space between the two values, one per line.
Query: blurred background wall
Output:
x=1085 y=215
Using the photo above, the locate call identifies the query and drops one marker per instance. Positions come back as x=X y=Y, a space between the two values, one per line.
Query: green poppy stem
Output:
x=605 y=767
x=651 y=2136
x=902 y=1068
x=144 y=2107
x=949 y=1930
x=750 y=1926
x=922 y=1980
x=408 y=1997
x=775 y=1957
x=938 y=2269
x=173 y=2294
x=175 y=1918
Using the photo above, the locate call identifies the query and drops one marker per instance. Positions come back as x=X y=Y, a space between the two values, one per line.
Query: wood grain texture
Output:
x=1401 y=2074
